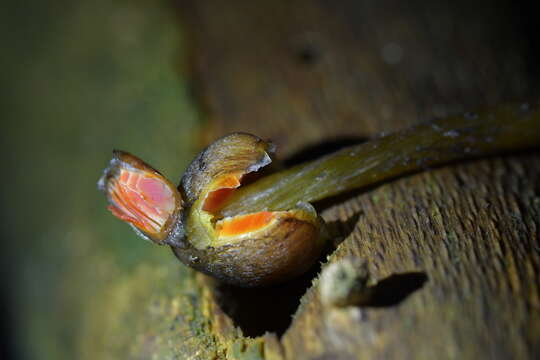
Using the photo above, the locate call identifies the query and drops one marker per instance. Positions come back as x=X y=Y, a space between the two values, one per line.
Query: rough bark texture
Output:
x=454 y=249
x=473 y=231
x=305 y=71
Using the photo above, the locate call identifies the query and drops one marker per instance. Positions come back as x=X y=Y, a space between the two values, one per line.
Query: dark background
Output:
x=80 y=78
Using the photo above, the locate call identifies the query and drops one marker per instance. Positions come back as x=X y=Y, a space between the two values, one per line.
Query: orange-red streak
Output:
x=225 y=187
x=130 y=212
x=244 y=223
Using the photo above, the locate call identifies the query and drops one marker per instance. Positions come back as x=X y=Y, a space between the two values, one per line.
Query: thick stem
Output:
x=500 y=129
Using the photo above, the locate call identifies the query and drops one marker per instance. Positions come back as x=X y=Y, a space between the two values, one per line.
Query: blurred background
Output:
x=80 y=78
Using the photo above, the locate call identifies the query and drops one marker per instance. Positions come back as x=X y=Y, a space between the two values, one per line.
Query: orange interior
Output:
x=225 y=187
x=244 y=223
x=237 y=225
x=215 y=199
x=125 y=209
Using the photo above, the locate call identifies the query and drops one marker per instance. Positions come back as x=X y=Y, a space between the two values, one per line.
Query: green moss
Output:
x=246 y=349
x=85 y=77
x=153 y=313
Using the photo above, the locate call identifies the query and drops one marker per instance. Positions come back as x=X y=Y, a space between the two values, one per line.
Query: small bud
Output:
x=247 y=249
x=345 y=283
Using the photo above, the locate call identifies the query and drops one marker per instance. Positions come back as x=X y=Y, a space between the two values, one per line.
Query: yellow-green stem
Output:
x=500 y=129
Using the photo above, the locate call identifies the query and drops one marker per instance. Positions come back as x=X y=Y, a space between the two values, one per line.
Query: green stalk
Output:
x=500 y=129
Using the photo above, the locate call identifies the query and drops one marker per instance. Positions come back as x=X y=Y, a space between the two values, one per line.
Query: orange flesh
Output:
x=228 y=182
x=225 y=187
x=215 y=199
x=141 y=199
x=125 y=209
x=244 y=224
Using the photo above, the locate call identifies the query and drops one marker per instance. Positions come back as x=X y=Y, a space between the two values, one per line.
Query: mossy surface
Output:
x=153 y=313
x=83 y=78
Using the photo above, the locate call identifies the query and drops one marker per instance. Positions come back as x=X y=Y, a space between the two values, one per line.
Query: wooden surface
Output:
x=473 y=231
x=300 y=72
x=85 y=77
x=455 y=249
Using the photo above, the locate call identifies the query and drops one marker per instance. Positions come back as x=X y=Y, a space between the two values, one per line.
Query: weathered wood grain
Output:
x=303 y=71
x=473 y=230
x=455 y=249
